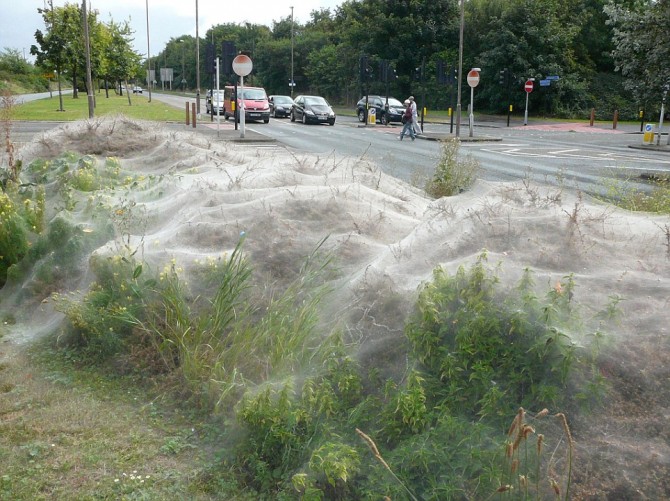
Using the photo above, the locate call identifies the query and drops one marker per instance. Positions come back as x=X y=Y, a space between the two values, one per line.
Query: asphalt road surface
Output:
x=571 y=155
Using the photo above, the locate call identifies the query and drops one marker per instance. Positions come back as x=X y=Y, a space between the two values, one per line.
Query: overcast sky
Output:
x=19 y=19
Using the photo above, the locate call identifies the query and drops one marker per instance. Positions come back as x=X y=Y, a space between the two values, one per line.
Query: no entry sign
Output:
x=529 y=86
x=473 y=78
x=242 y=65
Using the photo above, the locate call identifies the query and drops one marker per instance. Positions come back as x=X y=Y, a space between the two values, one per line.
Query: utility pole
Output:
x=460 y=67
x=89 y=80
x=148 y=54
x=197 y=62
x=292 y=83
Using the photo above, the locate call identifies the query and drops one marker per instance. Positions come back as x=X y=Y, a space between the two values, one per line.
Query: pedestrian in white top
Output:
x=415 y=116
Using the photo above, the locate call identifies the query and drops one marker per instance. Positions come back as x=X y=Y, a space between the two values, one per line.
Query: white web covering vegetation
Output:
x=192 y=199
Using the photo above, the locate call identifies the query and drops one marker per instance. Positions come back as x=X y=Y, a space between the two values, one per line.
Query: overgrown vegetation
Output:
x=286 y=407
x=17 y=76
x=452 y=174
x=656 y=199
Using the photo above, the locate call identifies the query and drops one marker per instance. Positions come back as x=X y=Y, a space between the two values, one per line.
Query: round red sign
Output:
x=473 y=78
x=529 y=86
x=242 y=65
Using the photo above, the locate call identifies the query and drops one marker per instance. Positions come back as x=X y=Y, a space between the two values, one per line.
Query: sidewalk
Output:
x=225 y=131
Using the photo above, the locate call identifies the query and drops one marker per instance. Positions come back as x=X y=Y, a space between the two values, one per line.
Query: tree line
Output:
x=603 y=54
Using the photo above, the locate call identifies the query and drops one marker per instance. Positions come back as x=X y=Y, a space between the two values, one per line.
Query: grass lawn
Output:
x=77 y=109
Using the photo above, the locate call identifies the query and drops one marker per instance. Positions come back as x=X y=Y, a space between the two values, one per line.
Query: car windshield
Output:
x=316 y=101
x=217 y=95
x=282 y=100
x=254 y=94
x=394 y=102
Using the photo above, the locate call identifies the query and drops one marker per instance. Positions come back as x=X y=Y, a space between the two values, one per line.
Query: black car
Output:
x=384 y=115
x=312 y=109
x=280 y=106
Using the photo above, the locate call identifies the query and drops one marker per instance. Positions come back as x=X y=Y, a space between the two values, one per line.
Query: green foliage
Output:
x=336 y=462
x=623 y=194
x=102 y=320
x=452 y=175
x=14 y=240
x=484 y=353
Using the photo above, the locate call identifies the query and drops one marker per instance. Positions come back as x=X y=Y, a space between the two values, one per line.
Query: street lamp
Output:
x=460 y=68
x=183 y=71
x=149 y=79
x=197 y=61
x=292 y=83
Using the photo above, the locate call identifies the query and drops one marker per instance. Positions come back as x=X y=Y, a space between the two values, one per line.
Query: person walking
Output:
x=415 y=116
x=407 y=121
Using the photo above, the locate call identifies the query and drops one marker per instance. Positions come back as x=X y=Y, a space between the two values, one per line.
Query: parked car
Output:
x=137 y=90
x=280 y=106
x=214 y=102
x=312 y=109
x=384 y=115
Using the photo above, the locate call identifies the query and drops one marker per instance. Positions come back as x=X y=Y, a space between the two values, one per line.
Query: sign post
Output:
x=242 y=66
x=473 y=81
x=528 y=87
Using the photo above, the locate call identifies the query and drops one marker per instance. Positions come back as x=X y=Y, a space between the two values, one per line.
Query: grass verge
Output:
x=77 y=109
x=67 y=431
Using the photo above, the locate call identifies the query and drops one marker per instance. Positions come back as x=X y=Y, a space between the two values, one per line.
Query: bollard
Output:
x=193 y=114
x=616 y=119
x=188 y=121
x=593 y=116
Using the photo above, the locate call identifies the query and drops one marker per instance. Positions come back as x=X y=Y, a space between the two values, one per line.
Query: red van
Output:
x=256 y=105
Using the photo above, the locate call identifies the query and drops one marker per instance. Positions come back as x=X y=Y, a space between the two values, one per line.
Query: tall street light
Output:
x=291 y=83
x=148 y=54
x=197 y=61
x=460 y=68
x=183 y=71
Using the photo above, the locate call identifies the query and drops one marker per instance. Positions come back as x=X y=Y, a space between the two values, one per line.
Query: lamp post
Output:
x=148 y=54
x=291 y=83
x=460 y=67
x=197 y=61
x=183 y=70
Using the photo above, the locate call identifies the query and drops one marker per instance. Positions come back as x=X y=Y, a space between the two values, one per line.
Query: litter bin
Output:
x=648 y=137
x=372 y=116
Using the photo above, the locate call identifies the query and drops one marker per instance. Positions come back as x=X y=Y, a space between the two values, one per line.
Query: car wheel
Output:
x=274 y=113
x=292 y=116
x=331 y=122
x=267 y=120
x=384 y=120
x=304 y=118
x=361 y=115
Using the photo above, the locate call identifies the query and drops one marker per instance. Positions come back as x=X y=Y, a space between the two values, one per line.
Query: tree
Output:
x=642 y=46
x=121 y=61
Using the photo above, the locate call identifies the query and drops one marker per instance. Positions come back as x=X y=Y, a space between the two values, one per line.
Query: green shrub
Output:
x=452 y=175
x=14 y=240
x=484 y=353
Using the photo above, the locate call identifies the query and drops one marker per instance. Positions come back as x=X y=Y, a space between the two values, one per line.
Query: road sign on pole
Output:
x=529 y=86
x=242 y=66
x=473 y=78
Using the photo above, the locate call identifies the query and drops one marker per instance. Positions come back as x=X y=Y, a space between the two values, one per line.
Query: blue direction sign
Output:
x=553 y=77
x=545 y=83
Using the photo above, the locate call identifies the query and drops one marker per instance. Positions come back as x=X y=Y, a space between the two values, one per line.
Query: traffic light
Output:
x=384 y=70
x=228 y=53
x=417 y=73
x=504 y=77
x=210 y=65
x=441 y=72
x=364 y=69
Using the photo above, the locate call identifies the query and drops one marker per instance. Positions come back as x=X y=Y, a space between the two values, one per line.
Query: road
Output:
x=569 y=155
